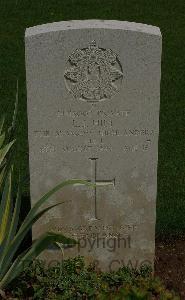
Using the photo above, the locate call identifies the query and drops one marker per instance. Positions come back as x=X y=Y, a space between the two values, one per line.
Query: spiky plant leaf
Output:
x=37 y=248
x=15 y=216
x=2 y=120
x=2 y=177
x=41 y=201
x=12 y=247
x=9 y=276
x=2 y=139
x=5 y=208
x=4 y=151
x=11 y=129
x=32 y=217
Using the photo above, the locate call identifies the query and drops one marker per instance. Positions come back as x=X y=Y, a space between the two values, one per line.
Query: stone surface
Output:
x=93 y=113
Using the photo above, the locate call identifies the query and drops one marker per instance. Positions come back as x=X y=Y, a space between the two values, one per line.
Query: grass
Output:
x=16 y=15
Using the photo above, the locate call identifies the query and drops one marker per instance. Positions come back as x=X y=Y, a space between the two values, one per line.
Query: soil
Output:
x=170 y=263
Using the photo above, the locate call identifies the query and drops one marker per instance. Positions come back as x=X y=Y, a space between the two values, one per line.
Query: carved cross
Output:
x=99 y=183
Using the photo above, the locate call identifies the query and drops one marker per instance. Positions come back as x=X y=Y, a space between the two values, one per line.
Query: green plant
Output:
x=72 y=279
x=10 y=236
x=10 y=240
x=7 y=142
x=4 y=151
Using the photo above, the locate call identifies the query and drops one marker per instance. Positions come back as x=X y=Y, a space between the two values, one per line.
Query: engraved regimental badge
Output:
x=93 y=74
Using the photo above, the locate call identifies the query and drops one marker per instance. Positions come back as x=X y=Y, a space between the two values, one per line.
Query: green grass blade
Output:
x=37 y=248
x=13 y=247
x=53 y=191
x=2 y=249
x=32 y=217
x=2 y=124
x=2 y=177
x=45 y=241
x=15 y=217
x=11 y=273
x=5 y=214
x=6 y=208
x=4 y=151
x=2 y=139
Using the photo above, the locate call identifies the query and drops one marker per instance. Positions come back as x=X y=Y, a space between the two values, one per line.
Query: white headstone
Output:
x=93 y=113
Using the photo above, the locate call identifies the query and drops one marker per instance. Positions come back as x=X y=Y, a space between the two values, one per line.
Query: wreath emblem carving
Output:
x=93 y=74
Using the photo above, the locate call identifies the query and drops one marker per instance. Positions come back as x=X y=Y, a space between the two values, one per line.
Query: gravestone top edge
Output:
x=99 y=24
